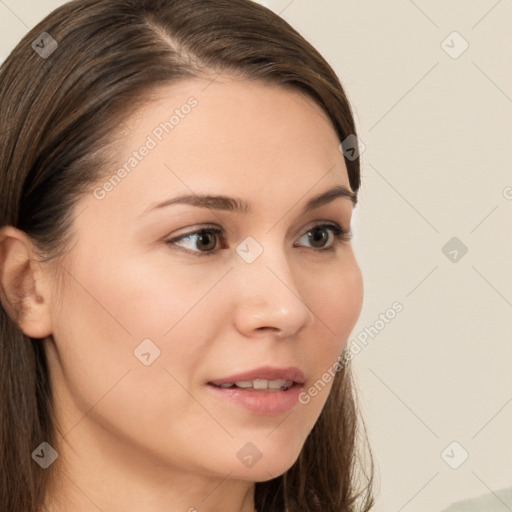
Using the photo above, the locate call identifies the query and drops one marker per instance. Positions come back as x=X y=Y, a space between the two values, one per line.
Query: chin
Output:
x=262 y=461
x=264 y=471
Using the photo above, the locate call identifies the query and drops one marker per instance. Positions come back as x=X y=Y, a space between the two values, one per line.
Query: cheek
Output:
x=339 y=304
x=139 y=300
x=350 y=299
x=337 y=310
x=104 y=317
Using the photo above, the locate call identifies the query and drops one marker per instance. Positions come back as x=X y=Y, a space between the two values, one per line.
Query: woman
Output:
x=141 y=369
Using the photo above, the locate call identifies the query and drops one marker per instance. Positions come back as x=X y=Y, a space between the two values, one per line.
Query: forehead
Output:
x=230 y=115
x=230 y=136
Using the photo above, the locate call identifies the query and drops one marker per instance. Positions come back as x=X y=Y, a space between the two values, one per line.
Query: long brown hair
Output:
x=59 y=111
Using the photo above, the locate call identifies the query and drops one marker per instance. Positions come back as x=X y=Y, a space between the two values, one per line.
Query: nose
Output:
x=268 y=297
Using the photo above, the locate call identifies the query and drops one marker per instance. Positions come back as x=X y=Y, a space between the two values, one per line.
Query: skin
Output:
x=153 y=438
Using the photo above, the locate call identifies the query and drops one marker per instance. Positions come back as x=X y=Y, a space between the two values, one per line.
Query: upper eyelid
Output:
x=223 y=231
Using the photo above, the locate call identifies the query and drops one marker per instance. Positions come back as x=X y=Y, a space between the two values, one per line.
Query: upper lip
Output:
x=264 y=372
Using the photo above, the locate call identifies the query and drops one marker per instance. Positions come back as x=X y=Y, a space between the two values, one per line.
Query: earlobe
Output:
x=24 y=290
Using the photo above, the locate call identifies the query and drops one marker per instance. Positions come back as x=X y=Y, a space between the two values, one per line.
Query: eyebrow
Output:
x=233 y=204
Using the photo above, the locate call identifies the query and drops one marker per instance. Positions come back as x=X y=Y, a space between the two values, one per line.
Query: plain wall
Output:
x=437 y=164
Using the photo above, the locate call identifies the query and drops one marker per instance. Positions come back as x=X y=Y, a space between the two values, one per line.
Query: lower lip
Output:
x=261 y=402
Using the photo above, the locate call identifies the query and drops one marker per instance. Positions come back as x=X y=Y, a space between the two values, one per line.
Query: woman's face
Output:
x=146 y=326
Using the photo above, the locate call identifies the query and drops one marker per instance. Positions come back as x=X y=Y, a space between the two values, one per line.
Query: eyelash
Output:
x=341 y=236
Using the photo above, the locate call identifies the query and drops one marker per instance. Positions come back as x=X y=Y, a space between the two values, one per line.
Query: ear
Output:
x=24 y=284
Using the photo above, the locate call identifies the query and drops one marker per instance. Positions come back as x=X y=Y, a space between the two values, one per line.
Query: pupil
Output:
x=322 y=236
x=204 y=236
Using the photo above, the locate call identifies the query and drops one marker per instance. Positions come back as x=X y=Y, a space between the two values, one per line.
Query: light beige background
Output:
x=437 y=165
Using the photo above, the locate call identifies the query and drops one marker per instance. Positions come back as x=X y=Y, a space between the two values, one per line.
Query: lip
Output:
x=261 y=402
x=264 y=372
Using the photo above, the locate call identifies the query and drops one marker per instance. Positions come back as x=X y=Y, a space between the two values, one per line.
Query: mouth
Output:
x=265 y=390
x=258 y=385
x=265 y=378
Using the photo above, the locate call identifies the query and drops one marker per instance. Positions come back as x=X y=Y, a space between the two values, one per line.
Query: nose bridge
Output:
x=268 y=293
x=264 y=261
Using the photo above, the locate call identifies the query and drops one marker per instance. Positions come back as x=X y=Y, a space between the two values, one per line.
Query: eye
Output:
x=204 y=237
x=203 y=242
x=319 y=235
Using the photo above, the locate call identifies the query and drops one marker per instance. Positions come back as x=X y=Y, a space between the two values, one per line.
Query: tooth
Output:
x=276 y=384
x=260 y=384
x=244 y=383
